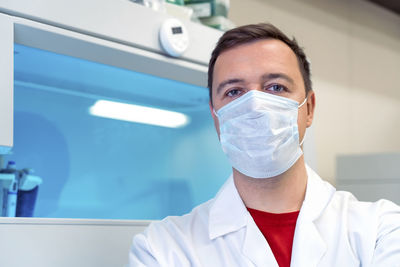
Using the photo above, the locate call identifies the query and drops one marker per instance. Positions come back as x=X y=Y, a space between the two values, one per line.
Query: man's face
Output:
x=269 y=66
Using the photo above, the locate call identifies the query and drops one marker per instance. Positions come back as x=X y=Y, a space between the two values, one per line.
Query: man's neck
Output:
x=279 y=194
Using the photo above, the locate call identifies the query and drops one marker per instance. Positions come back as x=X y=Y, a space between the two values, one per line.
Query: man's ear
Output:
x=310 y=107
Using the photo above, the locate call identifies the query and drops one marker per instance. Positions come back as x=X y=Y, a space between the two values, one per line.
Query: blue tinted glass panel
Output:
x=97 y=167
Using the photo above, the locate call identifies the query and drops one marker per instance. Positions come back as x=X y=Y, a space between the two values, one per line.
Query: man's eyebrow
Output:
x=271 y=76
x=227 y=82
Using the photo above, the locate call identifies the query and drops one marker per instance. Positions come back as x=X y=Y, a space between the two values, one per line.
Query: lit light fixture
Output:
x=140 y=114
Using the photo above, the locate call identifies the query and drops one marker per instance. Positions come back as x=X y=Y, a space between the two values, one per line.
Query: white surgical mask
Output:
x=259 y=133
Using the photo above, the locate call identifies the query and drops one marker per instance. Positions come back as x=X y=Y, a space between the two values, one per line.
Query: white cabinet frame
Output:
x=6 y=83
x=125 y=35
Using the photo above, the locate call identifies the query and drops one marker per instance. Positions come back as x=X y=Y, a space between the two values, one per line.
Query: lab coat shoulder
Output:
x=373 y=228
x=170 y=242
x=212 y=234
x=333 y=229
x=387 y=248
x=345 y=231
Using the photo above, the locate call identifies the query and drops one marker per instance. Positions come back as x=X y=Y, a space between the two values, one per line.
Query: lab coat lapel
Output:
x=308 y=244
x=256 y=248
x=228 y=214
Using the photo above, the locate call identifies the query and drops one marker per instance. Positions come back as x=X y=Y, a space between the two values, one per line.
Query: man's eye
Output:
x=276 y=88
x=233 y=92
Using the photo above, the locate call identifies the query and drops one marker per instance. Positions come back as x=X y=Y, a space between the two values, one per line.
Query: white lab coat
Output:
x=333 y=229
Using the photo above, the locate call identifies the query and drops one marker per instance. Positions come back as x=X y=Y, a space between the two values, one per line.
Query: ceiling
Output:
x=393 y=5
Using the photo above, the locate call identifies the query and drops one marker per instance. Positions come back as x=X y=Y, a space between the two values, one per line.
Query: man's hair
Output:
x=254 y=32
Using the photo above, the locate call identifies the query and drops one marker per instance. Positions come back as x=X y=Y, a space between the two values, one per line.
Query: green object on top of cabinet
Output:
x=176 y=2
x=208 y=8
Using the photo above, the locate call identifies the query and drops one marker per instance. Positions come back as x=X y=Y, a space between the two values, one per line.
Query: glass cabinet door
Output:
x=112 y=143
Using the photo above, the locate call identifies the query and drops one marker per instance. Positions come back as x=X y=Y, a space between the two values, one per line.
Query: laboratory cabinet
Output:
x=93 y=105
x=47 y=242
x=117 y=131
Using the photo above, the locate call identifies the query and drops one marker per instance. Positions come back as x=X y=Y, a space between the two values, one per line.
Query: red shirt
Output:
x=278 y=229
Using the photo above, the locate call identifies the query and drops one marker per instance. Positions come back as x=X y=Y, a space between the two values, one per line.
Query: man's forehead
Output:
x=258 y=47
x=269 y=52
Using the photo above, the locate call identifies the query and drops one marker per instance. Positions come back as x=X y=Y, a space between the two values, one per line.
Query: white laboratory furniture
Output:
x=114 y=32
x=370 y=177
x=6 y=86
x=118 y=33
x=66 y=242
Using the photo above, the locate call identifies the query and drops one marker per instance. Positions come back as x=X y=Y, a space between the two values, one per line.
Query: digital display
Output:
x=176 y=30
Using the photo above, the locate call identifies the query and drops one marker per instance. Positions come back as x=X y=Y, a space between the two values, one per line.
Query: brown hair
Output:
x=254 y=32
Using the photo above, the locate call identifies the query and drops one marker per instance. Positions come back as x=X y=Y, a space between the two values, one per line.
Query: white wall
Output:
x=354 y=48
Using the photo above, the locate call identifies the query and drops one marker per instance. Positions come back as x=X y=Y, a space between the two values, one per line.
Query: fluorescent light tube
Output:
x=140 y=114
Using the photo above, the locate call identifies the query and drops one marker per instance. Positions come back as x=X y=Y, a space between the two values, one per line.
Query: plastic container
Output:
x=9 y=190
x=157 y=5
x=176 y=2
x=26 y=202
x=218 y=22
x=208 y=8
x=180 y=12
x=18 y=191
x=27 y=194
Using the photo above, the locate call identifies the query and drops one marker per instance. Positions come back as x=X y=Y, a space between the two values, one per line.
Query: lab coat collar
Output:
x=308 y=244
x=318 y=195
x=228 y=212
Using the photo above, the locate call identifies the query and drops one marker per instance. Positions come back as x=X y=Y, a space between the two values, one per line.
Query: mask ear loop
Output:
x=215 y=113
x=302 y=103
x=304 y=137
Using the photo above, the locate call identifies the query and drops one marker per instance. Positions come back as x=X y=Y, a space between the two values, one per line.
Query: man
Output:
x=274 y=210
